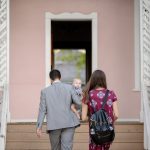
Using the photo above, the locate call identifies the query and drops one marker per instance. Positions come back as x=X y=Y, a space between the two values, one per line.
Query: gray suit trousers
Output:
x=62 y=139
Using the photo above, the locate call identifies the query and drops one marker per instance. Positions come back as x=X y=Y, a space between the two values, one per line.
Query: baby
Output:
x=77 y=85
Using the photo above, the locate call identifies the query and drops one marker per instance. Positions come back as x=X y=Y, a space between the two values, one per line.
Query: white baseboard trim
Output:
x=128 y=120
x=35 y=120
x=24 y=120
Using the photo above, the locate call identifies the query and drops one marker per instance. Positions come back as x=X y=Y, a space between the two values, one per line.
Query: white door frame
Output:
x=69 y=16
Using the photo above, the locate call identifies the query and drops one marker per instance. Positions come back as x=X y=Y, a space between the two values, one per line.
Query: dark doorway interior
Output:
x=73 y=35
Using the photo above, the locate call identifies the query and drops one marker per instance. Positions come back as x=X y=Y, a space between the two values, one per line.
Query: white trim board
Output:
x=35 y=120
x=24 y=120
x=137 y=63
x=8 y=58
x=128 y=120
x=69 y=16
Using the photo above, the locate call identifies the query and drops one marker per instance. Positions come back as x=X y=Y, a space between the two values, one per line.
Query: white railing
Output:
x=145 y=67
x=4 y=41
x=146 y=105
x=4 y=70
x=4 y=115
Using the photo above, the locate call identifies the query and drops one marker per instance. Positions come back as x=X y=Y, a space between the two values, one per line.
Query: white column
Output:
x=145 y=67
x=137 y=72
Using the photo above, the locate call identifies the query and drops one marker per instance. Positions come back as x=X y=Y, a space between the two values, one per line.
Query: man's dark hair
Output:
x=54 y=74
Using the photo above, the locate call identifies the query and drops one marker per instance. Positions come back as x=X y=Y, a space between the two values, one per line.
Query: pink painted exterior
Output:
x=27 y=51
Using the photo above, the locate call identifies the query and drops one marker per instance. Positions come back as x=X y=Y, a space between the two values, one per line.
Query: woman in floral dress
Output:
x=93 y=97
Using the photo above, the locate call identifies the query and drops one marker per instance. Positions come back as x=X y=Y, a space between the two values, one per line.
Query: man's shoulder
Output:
x=66 y=85
x=46 y=88
x=61 y=84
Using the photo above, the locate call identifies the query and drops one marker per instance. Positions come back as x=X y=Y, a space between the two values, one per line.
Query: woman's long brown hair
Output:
x=97 y=79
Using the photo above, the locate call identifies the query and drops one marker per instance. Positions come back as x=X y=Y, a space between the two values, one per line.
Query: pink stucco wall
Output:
x=27 y=51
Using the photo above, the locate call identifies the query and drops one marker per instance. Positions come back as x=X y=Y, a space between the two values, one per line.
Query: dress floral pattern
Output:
x=96 y=101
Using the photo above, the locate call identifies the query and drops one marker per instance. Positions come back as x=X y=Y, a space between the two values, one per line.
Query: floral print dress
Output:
x=96 y=100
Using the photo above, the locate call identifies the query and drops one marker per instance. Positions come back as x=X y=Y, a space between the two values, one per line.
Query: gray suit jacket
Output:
x=55 y=104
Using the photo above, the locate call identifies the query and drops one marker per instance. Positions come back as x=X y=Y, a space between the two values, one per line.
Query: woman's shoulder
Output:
x=111 y=91
x=112 y=95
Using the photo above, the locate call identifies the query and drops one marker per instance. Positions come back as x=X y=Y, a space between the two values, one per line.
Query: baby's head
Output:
x=77 y=83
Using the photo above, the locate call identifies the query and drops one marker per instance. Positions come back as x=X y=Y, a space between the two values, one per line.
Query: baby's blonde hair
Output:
x=76 y=79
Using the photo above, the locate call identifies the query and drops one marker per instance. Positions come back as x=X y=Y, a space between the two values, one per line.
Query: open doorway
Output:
x=58 y=43
x=71 y=49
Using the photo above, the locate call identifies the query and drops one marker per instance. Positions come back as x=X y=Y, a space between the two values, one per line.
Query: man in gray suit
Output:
x=55 y=104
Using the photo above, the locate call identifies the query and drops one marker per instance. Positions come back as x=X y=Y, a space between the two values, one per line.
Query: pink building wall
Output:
x=27 y=51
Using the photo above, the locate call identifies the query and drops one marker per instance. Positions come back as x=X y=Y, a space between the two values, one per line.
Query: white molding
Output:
x=35 y=120
x=24 y=120
x=136 y=90
x=137 y=63
x=141 y=61
x=128 y=120
x=69 y=16
x=8 y=58
x=47 y=47
x=142 y=114
x=94 y=43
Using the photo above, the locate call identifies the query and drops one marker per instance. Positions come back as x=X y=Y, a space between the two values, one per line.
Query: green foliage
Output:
x=78 y=57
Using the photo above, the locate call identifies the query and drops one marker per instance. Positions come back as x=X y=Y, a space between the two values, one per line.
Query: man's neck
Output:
x=56 y=80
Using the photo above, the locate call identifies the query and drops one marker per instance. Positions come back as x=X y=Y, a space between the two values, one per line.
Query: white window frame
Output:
x=69 y=16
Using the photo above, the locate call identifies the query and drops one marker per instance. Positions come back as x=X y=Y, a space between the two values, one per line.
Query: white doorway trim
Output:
x=69 y=16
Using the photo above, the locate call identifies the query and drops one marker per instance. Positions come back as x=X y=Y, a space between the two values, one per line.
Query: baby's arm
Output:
x=73 y=108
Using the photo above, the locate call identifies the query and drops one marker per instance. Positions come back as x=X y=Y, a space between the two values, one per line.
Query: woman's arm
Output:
x=84 y=112
x=115 y=110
